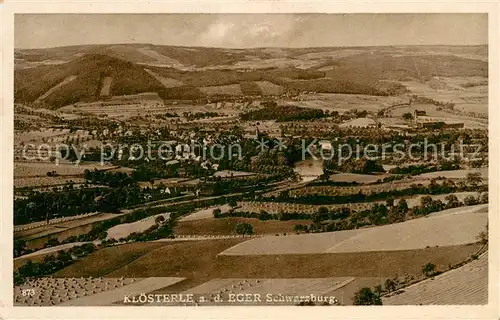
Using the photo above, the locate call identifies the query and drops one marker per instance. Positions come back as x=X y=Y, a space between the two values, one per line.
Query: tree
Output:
x=323 y=211
x=19 y=247
x=390 y=285
x=299 y=228
x=452 y=201
x=402 y=206
x=389 y=202
x=284 y=194
x=103 y=235
x=407 y=116
x=425 y=201
x=365 y=297
x=395 y=215
x=216 y=213
x=429 y=269
x=159 y=219
x=232 y=203
x=244 y=228
x=470 y=201
x=484 y=197
x=474 y=179
x=263 y=215
x=324 y=177
x=378 y=290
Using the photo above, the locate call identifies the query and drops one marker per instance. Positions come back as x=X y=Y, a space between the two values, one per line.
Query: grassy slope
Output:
x=368 y=67
x=109 y=259
x=198 y=261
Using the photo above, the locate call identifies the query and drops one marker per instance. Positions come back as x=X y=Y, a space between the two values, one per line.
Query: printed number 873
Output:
x=28 y=292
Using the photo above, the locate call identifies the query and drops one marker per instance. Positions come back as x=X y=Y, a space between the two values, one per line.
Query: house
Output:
x=418 y=113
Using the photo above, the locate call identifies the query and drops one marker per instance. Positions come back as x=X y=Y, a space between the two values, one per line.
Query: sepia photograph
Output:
x=250 y=159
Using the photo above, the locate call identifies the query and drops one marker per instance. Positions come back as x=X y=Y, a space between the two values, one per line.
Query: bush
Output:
x=429 y=269
x=216 y=213
x=470 y=201
x=407 y=116
x=366 y=297
x=244 y=228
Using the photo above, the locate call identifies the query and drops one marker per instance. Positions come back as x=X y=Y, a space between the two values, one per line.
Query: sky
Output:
x=250 y=30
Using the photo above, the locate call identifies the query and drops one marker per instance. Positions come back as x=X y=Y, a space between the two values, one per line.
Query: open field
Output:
x=107 y=298
x=359 y=178
x=415 y=201
x=43 y=134
x=54 y=291
x=166 y=82
x=125 y=229
x=480 y=208
x=439 y=230
x=204 y=213
x=456 y=89
x=109 y=259
x=269 y=88
x=227 y=226
x=48 y=250
x=34 y=169
x=433 y=113
x=173 y=258
x=66 y=223
x=453 y=174
x=150 y=52
x=358 y=123
x=198 y=262
x=286 y=207
x=44 y=181
x=309 y=170
x=37 y=237
x=233 y=174
x=86 y=291
x=469 y=107
x=466 y=285
x=343 y=102
x=340 y=190
x=33 y=225
x=230 y=89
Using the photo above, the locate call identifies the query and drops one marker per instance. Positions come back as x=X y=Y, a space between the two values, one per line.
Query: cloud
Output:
x=255 y=30
x=217 y=33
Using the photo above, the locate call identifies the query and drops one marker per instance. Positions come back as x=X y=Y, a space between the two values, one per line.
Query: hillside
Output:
x=56 y=77
x=90 y=72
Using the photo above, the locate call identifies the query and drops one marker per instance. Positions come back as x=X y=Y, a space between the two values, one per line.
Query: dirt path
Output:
x=106 y=85
x=54 y=88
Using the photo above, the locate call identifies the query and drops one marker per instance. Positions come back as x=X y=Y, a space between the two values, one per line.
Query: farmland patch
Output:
x=467 y=285
x=443 y=230
x=230 y=89
x=269 y=88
